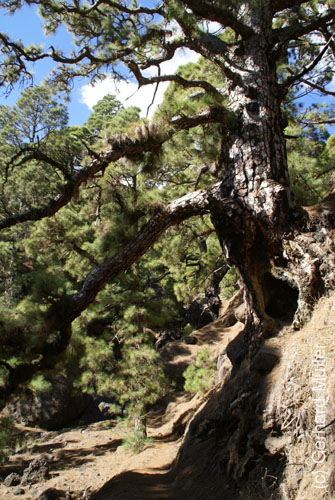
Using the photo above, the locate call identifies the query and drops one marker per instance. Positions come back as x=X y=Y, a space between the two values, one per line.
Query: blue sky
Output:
x=26 y=25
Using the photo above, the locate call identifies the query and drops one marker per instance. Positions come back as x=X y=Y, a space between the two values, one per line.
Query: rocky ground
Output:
x=73 y=463
x=191 y=441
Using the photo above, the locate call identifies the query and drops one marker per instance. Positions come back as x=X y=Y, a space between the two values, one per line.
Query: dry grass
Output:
x=291 y=408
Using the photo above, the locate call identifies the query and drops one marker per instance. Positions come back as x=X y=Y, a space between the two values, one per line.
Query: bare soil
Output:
x=178 y=464
x=83 y=459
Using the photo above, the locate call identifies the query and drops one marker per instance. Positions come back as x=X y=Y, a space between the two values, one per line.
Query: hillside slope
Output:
x=264 y=431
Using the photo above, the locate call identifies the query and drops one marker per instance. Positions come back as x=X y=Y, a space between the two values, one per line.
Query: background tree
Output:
x=260 y=51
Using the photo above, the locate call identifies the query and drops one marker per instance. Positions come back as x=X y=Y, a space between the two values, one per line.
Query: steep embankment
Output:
x=265 y=431
x=81 y=460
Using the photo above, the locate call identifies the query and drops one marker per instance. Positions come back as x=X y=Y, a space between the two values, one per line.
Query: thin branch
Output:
x=155 y=93
x=328 y=37
x=36 y=154
x=325 y=172
x=317 y=122
x=34 y=54
x=117 y=6
x=291 y=79
x=318 y=87
x=327 y=425
x=83 y=253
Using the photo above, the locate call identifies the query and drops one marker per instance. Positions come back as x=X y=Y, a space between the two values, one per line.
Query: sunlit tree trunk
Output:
x=257 y=217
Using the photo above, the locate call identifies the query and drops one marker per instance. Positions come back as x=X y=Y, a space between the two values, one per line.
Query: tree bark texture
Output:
x=285 y=254
x=262 y=231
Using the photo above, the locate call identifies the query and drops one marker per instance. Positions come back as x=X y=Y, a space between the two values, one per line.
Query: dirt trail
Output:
x=91 y=459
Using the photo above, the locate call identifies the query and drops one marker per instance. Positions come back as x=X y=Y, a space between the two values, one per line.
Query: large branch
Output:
x=61 y=315
x=120 y=146
x=294 y=31
x=190 y=205
x=278 y=5
x=212 y=12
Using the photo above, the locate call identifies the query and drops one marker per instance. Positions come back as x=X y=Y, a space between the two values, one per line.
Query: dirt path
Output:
x=85 y=460
x=82 y=460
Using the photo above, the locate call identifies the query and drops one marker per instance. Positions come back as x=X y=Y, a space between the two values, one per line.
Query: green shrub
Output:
x=136 y=440
x=198 y=377
x=229 y=284
x=188 y=329
x=39 y=384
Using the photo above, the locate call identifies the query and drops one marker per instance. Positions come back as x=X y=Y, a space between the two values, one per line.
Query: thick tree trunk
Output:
x=257 y=225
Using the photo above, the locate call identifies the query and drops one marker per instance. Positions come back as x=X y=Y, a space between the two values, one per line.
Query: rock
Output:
x=276 y=445
x=97 y=409
x=236 y=349
x=203 y=310
x=106 y=410
x=50 y=410
x=228 y=320
x=189 y=339
x=18 y=491
x=12 y=479
x=265 y=359
x=228 y=307
x=223 y=369
x=240 y=313
x=163 y=338
x=36 y=472
x=51 y=494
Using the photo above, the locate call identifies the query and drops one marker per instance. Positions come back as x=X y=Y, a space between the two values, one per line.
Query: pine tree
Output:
x=261 y=51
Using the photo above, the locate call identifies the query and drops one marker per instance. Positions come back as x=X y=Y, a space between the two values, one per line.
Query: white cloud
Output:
x=128 y=93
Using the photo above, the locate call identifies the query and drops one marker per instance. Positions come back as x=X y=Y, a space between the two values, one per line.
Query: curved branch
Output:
x=283 y=35
x=212 y=12
x=120 y=145
x=37 y=154
x=142 y=80
x=61 y=315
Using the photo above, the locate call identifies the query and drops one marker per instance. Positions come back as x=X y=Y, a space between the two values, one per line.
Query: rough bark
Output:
x=279 y=249
x=256 y=230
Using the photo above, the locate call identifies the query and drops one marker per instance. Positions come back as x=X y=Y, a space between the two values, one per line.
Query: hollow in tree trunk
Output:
x=284 y=253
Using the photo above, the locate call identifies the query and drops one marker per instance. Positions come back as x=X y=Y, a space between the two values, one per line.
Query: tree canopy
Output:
x=81 y=205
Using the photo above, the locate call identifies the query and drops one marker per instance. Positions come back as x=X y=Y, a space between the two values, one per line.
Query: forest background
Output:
x=43 y=262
